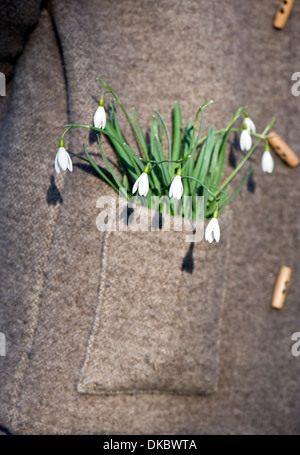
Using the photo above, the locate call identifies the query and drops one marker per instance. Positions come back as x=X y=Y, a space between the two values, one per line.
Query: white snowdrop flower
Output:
x=212 y=231
x=142 y=183
x=62 y=160
x=176 y=188
x=267 y=162
x=245 y=139
x=249 y=124
x=100 y=116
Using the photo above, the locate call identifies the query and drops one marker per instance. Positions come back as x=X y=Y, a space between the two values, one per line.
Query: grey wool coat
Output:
x=110 y=332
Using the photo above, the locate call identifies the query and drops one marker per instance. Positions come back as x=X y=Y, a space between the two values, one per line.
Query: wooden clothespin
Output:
x=283 y=149
x=283 y=12
x=281 y=286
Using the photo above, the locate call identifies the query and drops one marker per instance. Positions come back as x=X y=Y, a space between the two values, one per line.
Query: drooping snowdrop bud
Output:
x=142 y=183
x=267 y=162
x=249 y=123
x=100 y=116
x=212 y=231
x=245 y=139
x=176 y=188
x=62 y=160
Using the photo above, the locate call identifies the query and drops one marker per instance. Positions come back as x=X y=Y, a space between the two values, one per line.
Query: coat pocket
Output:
x=158 y=316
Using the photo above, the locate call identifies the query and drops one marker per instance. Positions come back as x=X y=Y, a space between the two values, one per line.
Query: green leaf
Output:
x=187 y=146
x=177 y=125
x=110 y=168
x=142 y=139
x=116 y=123
x=219 y=167
x=134 y=159
x=215 y=156
x=217 y=170
x=188 y=165
x=110 y=132
x=168 y=136
x=155 y=173
x=209 y=147
x=99 y=169
x=126 y=162
x=109 y=89
x=203 y=160
x=194 y=143
x=236 y=116
x=236 y=192
x=207 y=182
x=163 y=166
x=126 y=182
x=157 y=151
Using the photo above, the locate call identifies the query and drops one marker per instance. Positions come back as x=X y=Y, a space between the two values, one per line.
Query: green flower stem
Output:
x=260 y=136
x=241 y=164
x=229 y=199
x=78 y=125
x=236 y=117
x=109 y=166
x=204 y=186
x=203 y=139
x=97 y=168
x=166 y=161
x=101 y=171
x=217 y=188
x=229 y=126
x=177 y=127
x=126 y=147
x=78 y=156
x=67 y=129
x=168 y=135
x=193 y=142
x=197 y=115
x=181 y=160
x=110 y=90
